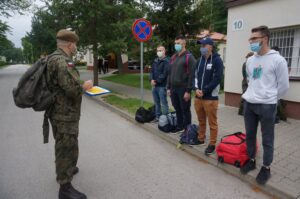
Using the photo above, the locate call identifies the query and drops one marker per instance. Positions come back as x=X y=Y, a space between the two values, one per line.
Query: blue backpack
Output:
x=190 y=135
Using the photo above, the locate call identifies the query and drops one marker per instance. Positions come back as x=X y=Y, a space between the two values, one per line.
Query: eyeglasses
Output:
x=255 y=38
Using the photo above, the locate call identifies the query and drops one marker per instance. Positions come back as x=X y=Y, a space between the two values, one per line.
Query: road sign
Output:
x=142 y=30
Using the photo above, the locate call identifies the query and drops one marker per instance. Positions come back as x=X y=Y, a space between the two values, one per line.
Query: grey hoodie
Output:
x=268 y=78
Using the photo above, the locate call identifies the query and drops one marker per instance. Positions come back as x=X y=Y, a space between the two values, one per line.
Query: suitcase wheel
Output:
x=221 y=159
x=237 y=164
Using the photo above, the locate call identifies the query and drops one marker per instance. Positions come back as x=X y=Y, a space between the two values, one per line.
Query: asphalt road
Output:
x=118 y=160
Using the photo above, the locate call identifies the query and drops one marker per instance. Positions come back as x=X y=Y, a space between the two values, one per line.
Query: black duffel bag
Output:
x=143 y=115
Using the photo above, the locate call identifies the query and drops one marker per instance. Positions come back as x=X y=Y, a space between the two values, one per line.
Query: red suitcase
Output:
x=233 y=150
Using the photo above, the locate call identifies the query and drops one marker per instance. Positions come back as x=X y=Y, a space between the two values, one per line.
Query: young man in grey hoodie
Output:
x=267 y=72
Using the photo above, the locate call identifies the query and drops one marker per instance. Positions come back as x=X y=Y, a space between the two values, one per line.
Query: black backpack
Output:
x=143 y=115
x=32 y=90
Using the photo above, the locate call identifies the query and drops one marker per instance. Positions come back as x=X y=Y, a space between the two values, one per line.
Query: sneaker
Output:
x=178 y=129
x=210 y=149
x=249 y=166
x=263 y=175
x=201 y=143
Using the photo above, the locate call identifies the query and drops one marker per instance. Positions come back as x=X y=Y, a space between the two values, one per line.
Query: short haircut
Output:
x=180 y=37
x=264 y=30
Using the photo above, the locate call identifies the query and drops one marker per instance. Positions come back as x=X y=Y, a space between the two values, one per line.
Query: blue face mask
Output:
x=255 y=47
x=178 y=47
x=203 y=51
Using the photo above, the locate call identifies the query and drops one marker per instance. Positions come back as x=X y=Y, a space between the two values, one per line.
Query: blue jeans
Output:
x=183 y=108
x=160 y=99
x=265 y=114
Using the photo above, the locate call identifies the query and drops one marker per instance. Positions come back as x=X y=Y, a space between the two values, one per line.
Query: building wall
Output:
x=274 y=14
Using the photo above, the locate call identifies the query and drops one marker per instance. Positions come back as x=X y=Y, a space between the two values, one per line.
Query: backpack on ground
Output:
x=190 y=135
x=233 y=149
x=167 y=123
x=143 y=115
x=32 y=90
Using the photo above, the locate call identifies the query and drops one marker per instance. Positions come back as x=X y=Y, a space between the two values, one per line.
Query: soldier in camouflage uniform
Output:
x=63 y=78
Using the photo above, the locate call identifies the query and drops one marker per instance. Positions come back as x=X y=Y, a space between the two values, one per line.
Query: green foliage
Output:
x=2 y=63
x=128 y=104
x=130 y=80
x=14 y=55
x=214 y=15
x=8 y=6
x=80 y=63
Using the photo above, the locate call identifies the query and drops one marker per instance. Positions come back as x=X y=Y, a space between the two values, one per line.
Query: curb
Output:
x=270 y=189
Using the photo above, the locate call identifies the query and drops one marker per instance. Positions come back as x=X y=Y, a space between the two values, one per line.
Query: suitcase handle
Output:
x=237 y=134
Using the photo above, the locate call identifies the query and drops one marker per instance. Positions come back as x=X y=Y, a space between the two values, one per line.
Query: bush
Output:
x=80 y=63
x=2 y=63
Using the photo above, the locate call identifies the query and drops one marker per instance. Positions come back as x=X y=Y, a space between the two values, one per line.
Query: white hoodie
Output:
x=273 y=82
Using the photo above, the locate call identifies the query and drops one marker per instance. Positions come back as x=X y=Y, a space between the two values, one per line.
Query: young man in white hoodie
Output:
x=268 y=77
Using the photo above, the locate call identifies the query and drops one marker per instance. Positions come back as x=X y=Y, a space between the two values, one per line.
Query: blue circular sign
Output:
x=142 y=30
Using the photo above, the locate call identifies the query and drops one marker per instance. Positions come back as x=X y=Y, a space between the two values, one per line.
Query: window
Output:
x=288 y=41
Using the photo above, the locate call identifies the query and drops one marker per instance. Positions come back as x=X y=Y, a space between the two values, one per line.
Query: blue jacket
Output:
x=159 y=71
x=208 y=75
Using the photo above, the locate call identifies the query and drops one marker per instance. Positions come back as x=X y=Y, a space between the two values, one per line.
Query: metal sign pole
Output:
x=142 y=75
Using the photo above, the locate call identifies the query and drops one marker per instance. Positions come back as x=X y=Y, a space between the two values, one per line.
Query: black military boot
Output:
x=67 y=191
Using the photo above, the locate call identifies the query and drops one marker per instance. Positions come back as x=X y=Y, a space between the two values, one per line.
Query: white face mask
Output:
x=160 y=54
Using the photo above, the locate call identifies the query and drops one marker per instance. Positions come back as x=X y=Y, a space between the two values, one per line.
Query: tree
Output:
x=173 y=18
x=103 y=25
x=8 y=6
x=214 y=15
x=4 y=42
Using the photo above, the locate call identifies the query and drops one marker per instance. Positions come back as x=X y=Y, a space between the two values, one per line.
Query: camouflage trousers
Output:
x=66 y=149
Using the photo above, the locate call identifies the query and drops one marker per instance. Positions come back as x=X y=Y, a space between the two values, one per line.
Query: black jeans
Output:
x=265 y=114
x=182 y=108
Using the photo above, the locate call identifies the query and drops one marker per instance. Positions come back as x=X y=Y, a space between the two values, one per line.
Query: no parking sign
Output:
x=142 y=31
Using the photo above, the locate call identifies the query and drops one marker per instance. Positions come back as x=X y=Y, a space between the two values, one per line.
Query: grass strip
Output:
x=128 y=104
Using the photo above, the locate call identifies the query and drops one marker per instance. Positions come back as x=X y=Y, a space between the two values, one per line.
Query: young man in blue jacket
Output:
x=159 y=74
x=207 y=77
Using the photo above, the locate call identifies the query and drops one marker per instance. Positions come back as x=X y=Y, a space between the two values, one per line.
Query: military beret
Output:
x=67 y=35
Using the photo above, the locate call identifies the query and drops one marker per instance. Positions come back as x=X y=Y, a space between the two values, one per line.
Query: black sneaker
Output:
x=201 y=143
x=263 y=175
x=249 y=166
x=210 y=149
x=178 y=129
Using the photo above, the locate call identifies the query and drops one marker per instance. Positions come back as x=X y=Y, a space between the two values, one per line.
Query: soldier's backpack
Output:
x=167 y=123
x=33 y=92
x=143 y=115
x=190 y=135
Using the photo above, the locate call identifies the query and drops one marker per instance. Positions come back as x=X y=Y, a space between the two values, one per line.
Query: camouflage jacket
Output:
x=63 y=78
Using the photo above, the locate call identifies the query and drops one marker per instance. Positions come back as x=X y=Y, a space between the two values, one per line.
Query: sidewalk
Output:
x=285 y=180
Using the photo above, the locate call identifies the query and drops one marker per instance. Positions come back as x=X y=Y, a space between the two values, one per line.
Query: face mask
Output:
x=74 y=50
x=203 y=51
x=178 y=47
x=255 y=47
x=159 y=54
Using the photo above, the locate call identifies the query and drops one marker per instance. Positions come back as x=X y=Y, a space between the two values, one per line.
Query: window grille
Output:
x=288 y=41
